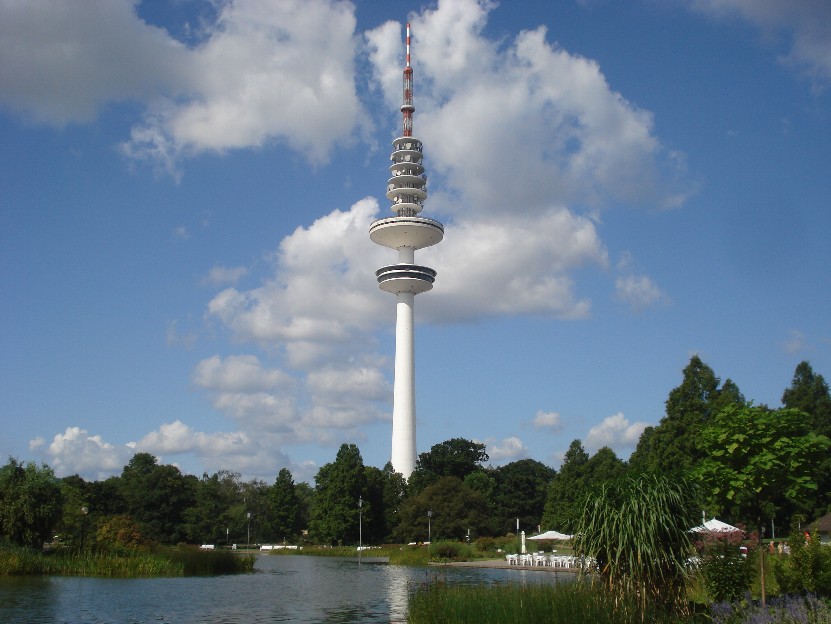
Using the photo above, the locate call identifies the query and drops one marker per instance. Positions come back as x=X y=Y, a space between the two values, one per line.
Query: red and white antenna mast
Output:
x=407 y=107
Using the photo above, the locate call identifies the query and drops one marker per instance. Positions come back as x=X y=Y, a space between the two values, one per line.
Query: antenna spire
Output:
x=407 y=107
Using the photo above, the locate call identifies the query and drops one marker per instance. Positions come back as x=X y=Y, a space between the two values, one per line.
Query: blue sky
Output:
x=186 y=189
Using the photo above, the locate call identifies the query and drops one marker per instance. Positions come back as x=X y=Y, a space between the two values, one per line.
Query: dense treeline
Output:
x=767 y=468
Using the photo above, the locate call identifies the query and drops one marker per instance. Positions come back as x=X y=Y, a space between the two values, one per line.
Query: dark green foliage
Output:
x=807 y=569
x=519 y=491
x=338 y=487
x=157 y=497
x=578 y=474
x=673 y=446
x=30 y=503
x=456 y=508
x=809 y=393
x=453 y=458
x=217 y=513
x=636 y=529
x=726 y=571
x=283 y=509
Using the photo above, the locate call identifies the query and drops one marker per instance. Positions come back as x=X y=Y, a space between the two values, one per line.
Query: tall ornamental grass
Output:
x=634 y=532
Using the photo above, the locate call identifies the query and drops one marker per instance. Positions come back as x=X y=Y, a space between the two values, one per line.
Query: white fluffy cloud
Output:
x=806 y=23
x=509 y=449
x=79 y=60
x=548 y=420
x=75 y=451
x=522 y=128
x=615 y=432
x=265 y=71
x=638 y=291
x=262 y=72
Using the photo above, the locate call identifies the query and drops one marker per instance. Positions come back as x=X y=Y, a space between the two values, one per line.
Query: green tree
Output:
x=520 y=492
x=283 y=508
x=756 y=456
x=452 y=458
x=338 y=486
x=157 y=497
x=455 y=509
x=484 y=483
x=75 y=494
x=217 y=510
x=30 y=503
x=395 y=490
x=673 y=446
x=809 y=392
x=565 y=490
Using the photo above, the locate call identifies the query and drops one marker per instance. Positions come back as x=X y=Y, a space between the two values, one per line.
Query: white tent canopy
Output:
x=715 y=526
x=551 y=535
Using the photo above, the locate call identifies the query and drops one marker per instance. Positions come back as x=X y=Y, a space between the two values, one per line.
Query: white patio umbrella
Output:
x=715 y=526
x=551 y=535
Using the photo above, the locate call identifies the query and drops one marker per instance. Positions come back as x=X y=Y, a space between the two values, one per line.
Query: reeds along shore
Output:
x=165 y=561
x=571 y=603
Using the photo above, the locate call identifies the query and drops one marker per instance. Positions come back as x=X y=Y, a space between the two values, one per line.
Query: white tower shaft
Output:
x=404 y=412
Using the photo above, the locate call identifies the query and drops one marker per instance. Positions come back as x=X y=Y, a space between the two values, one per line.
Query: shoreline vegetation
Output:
x=167 y=561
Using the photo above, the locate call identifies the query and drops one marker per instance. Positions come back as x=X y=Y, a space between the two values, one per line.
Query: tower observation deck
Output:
x=406 y=232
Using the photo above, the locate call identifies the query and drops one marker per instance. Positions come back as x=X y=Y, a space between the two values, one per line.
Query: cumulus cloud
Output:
x=261 y=72
x=638 y=291
x=548 y=420
x=75 y=451
x=81 y=54
x=509 y=449
x=615 y=432
x=265 y=71
x=548 y=128
x=806 y=23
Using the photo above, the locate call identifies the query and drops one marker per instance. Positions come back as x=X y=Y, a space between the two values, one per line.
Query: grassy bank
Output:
x=180 y=561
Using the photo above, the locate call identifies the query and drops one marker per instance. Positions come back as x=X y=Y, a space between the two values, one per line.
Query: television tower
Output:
x=406 y=232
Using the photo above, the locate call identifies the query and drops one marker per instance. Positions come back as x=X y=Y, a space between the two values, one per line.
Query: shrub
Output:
x=726 y=572
x=806 y=569
x=450 y=551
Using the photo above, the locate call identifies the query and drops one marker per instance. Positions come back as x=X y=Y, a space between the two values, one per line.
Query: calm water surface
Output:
x=284 y=588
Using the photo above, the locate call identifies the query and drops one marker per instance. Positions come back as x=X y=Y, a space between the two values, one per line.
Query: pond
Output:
x=282 y=588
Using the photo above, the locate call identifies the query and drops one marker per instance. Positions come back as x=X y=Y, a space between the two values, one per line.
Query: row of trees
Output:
x=752 y=464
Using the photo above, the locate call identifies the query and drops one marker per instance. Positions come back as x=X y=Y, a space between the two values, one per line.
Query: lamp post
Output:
x=248 y=545
x=84 y=512
x=360 y=527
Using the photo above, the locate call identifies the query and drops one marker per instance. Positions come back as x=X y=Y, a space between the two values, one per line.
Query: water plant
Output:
x=571 y=603
x=635 y=532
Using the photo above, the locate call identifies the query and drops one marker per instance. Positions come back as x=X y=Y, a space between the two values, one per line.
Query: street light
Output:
x=248 y=545
x=360 y=526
